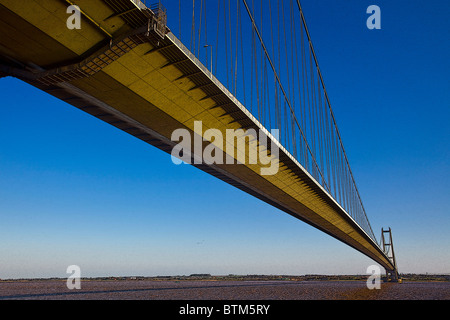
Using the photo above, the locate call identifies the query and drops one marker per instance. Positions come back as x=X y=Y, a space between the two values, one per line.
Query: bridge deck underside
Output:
x=157 y=86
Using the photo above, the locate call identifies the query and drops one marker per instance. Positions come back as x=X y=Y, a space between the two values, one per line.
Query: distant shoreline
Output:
x=207 y=277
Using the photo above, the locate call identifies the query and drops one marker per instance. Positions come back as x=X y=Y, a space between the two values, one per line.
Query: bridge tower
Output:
x=388 y=248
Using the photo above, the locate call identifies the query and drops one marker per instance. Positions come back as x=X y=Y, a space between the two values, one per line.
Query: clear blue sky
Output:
x=74 y=190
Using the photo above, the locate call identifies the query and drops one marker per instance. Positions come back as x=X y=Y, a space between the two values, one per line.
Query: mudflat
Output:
x=221 y=290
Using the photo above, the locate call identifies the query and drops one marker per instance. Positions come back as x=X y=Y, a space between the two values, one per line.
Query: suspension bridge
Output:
x=242 y=65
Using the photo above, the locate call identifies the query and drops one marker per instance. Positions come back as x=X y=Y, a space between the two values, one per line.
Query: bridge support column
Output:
x=388 y=248
x=392 y=276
